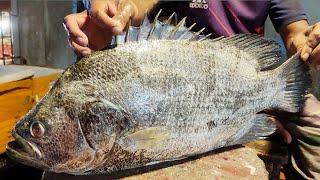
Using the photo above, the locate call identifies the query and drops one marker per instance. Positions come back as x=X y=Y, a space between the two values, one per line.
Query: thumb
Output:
x=126 y=9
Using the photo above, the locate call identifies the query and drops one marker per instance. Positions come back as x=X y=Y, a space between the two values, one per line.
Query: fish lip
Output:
x=29 y=150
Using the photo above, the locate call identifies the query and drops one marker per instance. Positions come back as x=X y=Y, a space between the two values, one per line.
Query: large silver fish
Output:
x=157 y=99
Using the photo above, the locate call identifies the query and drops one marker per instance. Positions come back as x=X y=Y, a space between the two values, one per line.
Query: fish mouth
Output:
x=22 y=150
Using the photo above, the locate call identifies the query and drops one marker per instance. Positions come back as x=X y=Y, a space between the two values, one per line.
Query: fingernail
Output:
x=117 y=30
x=287 y=140
x=305 y=56
x=86 y=52
x=81 y=41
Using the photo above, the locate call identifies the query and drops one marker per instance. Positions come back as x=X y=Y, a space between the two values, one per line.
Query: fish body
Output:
x=156 y=100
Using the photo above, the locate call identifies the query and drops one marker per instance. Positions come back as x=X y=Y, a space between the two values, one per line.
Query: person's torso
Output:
x=223 y=18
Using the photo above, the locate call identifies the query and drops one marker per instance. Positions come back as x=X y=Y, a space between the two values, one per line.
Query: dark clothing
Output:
x=225 y=18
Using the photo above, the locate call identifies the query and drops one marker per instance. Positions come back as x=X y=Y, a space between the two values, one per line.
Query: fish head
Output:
x=50 y=136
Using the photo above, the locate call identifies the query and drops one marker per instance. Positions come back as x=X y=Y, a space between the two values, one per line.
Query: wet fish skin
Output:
x=152 y=101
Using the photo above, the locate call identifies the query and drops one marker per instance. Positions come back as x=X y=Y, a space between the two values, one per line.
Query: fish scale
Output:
x=181 y=106
x=170 y=95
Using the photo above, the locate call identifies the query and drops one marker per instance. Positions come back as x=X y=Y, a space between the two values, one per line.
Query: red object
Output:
x=7 y=51
x=5 y=5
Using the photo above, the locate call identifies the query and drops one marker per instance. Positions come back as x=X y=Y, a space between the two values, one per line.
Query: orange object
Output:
x=18 y=97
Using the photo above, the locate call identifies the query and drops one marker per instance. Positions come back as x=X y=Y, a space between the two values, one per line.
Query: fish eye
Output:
x=37 y=129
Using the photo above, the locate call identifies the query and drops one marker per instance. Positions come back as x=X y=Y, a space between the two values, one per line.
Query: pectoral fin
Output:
x=147 y=138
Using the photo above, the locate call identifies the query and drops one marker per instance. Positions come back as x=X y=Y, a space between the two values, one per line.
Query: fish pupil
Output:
x=36 y=130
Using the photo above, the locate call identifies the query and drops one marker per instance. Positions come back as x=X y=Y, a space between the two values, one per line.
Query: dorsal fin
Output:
x=127 y=33
x=142 y=26
x=195 y=35
x=187 y=30
x=205 y=37
x=264 y=50
x=159 y=30
x=153 y=26
x=176 y=28
x=166 y=24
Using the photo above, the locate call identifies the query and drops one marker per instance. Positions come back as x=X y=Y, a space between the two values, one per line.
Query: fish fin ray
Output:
x=266 y=51
x=127 y=33
x=196 y=35
x=166 y=24
x=167 y=160
x=142 y=25
x=186 y=31
x=158 y=30
x=153 y=26
x=298 y=83
x=205 y=37
x=262 y=127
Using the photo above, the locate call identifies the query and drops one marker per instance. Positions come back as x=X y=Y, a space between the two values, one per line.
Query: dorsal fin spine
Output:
x=189 y=29
x=167 y=23
x=127 y=36
x=205 y=37
x=175 y=29
x=158 y=30
x=195 y=35
x=153 y=26
x=145 y=19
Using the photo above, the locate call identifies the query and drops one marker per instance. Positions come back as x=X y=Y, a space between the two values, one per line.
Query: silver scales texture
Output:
x=207 y=94
x=154 y=100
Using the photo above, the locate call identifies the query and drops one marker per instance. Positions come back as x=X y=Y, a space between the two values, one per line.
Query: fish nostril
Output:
x=22 y=130
x=22 y=124
x=17 y=130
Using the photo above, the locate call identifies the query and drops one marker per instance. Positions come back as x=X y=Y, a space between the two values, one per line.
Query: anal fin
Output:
x=262 y=127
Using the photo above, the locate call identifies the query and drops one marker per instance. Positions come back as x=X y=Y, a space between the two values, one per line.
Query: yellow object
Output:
x=18 y=97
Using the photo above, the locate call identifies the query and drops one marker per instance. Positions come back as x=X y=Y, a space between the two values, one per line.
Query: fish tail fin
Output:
x=298 y=82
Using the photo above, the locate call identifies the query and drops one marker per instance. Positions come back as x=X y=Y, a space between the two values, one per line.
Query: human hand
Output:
x=311 y=49
x=80 y=29
x=281 y=132
x=279 y=118
x=305 y=127
x=112 y=15
x=288 y=124
x=308 y=41
x=311 y=107
x=92 y=30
